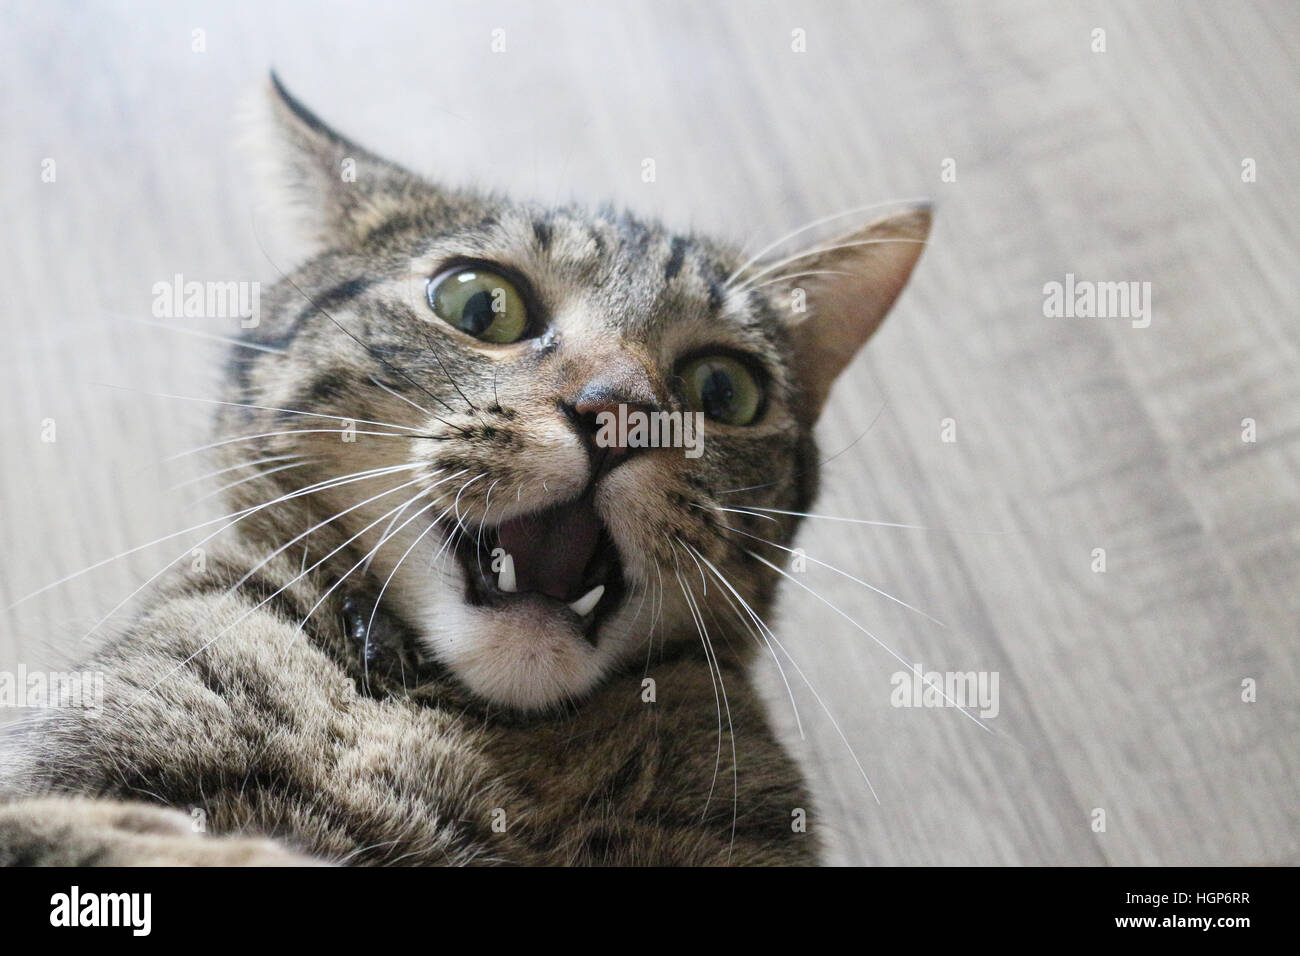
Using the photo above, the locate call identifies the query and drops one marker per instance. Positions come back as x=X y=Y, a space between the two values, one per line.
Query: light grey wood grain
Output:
x=1119 y=691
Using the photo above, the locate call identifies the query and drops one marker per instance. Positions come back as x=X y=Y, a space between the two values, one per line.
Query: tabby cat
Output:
x=444 y=622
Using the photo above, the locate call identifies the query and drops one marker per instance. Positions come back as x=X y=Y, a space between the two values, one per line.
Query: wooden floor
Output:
x=1120 y=691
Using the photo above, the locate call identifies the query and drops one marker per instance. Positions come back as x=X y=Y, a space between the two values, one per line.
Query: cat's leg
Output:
x=214 y=707
x=81 y=831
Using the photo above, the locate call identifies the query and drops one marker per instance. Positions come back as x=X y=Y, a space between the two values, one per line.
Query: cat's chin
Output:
x=531 y=621
x=528 y=655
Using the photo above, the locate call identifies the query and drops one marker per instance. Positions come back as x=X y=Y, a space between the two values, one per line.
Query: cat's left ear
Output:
x=840 y=292
x=332 y=191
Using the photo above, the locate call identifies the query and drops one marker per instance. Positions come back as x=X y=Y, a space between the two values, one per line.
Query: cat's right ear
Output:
x=329 y=190
x=847 y=286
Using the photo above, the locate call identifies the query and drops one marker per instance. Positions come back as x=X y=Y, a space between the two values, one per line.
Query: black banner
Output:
x=336 y=905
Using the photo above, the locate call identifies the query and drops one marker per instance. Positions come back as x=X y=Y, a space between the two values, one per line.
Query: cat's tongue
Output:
x=551 y=549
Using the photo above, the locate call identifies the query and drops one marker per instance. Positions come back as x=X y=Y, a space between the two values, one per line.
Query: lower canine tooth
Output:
x=506 y=576
x=582 y=607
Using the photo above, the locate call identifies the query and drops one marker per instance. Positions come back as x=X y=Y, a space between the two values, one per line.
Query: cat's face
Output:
x=486 y=351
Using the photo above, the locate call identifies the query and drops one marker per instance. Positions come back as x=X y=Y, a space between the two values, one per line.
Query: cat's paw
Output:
x=78 y=831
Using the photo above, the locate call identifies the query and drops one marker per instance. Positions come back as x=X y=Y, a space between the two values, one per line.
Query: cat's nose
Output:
x=600 y=412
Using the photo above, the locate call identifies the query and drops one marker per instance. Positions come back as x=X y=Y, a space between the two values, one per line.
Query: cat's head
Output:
x=467 y=362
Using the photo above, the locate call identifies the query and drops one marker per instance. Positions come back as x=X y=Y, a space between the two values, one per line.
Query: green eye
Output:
x=479 y=302
x=723 y=388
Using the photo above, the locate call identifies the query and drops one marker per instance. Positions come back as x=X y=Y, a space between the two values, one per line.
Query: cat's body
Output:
x=270 y=735
x=351 y=672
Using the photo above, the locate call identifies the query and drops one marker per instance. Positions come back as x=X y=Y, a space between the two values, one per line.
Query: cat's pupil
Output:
x=478 y=314
x=717 y=393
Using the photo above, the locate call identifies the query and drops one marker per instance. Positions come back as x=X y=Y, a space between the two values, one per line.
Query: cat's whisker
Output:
x=387 y=529
x=396 y=394
x=839 y=571
x=800 y=275
x=772 y=639
x=372 y=352
x=739 y=511
x=263 y=408
x=827 y=711
x=487 y=506
x=221 y=471
x=300 y=431
x=236 y=515
x=157 y=574
x=449 y=542
x=758 y=635
x=817 y=251
x=656 y=610
x=365 y=656
x=261 y=564
x=821 y=221
x=663 y=601
x=892 y=653
x=452 y=536
x=825 y=461
x=731 y=732
x=316 y=527
x=373 y=551
x=270 y=597
x=306 y=545
x=878 y=524
x=457 y=530
x=861 y=435
x=644 y=588
x=708 y=660
x=210 y=336
x=245 y=480
x=437 y=354
x=459 y=517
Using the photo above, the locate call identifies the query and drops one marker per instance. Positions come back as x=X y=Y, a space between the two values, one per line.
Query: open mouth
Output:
x=563 y=555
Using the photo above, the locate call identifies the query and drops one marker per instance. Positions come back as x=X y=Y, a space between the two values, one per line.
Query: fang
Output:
x=506 y=578
x=584 y=605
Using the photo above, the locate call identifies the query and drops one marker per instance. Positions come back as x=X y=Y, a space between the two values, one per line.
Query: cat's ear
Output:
x=327 y=188
x=840 y=292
